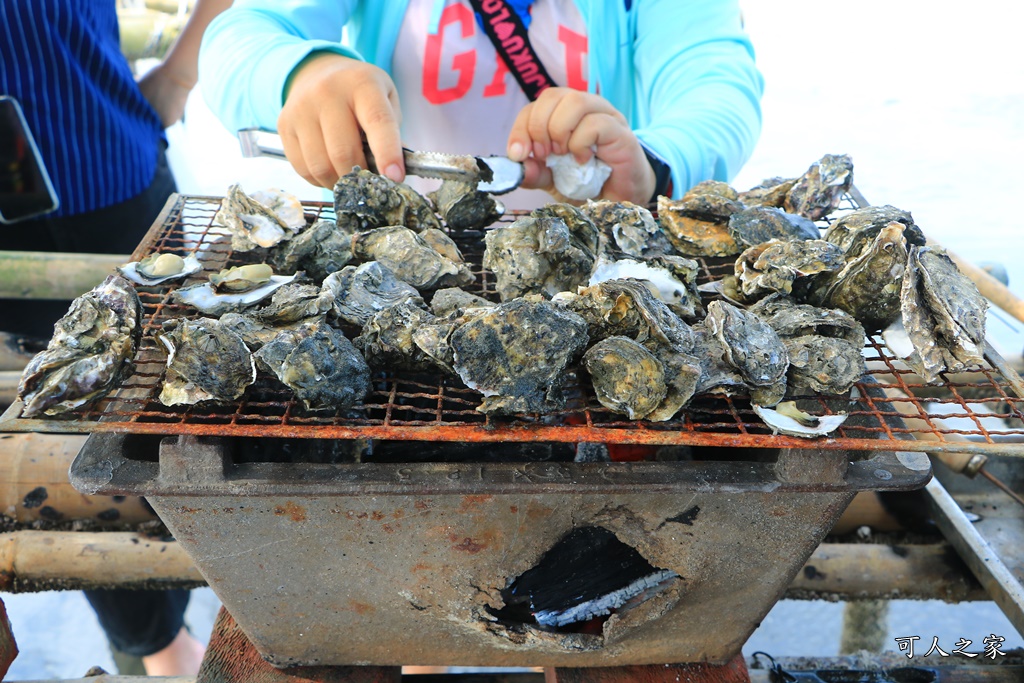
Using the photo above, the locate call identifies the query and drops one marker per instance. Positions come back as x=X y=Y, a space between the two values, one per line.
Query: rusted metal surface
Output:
x=435 y=408
x=734 y=671
x=407 y=560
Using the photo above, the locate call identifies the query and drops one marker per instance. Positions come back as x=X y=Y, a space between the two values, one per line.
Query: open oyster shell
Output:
x=157 y=268
x=206 y=361
x=250 y=223
x=819 y=190
x=319 y=364
x=673 y=279
x=90 y=353
x=627 y=229
x=204 y=298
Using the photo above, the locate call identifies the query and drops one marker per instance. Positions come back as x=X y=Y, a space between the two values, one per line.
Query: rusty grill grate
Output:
x=980 y=410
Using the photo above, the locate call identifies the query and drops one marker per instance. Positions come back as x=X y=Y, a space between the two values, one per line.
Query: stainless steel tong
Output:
x=493 y=174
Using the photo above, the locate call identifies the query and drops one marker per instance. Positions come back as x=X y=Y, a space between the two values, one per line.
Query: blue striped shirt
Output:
x=99 y=137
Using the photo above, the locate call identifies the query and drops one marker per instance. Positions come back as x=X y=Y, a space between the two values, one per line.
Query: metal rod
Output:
x=1001 y=485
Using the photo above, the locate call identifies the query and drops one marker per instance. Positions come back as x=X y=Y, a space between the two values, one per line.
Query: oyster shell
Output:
x=697 y=224
x=387 y=339
x=90 y=353
x=157 y=268
x=819 y=190
x=627 y=228
x=453 y=301
x=295 y=301
x=825 y=346
x=943 y=315
x=769 y=192
x=868 y=285
x=364 y=200
x=516 y=354
x=552 y=250
x=204 y=298
x=759 y=224
x=360 y=292
x=627 y=378
x=206 y=361
x=319 y=364
x=464 y=207
x=284 y=205
x=319 y=250
x=789 y=420
x=858 y=229
x=775 y=266
x=254 y=332
x=427 y=260
x=250 y=223
x=673 y=279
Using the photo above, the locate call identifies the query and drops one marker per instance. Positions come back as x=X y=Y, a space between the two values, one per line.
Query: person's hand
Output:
x=166 y=92
x=331 y=104
x=563 y=121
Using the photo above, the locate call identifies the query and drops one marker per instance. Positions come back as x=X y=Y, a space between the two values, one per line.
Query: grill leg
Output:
x=733 y=672
x=231 y=658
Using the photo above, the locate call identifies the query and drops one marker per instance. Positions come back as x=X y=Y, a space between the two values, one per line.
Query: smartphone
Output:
x=25 y=187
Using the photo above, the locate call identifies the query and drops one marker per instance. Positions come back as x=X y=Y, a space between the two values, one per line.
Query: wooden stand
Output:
x=231 y=658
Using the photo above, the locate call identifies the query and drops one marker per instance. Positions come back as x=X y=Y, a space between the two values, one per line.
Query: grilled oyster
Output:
x=759 y=224
x=943 y=315
x=856 y=231
x=204 y=298
x=427 y=260
x=284 y=205
x=516 y=353
x=90 y=353
x=697 y=224
x=241 y=278
x=824 y=345
x=206 y=361
x=775 y=265
x=628 y=308
x=673 y=279
x=739 y=349
x=464 y=207
x=387 y=339
x=627 y=378
x=295 y=301
x=157 y=268
x=319 y=364
x=819 y=190
x=364 y=200
x=869 y=283
x=360 y=292
x=250 y=223
x=627 y=229
x=552 y=250
x=453 y=301
x=319 y=250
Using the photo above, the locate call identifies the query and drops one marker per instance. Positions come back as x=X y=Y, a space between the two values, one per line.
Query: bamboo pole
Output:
x=12 y=355
x=97 y=559
x=34 y=484
x=9 y=386
x=46 y=275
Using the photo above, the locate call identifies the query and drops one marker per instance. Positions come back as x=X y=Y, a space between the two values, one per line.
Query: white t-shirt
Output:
x=457 y=96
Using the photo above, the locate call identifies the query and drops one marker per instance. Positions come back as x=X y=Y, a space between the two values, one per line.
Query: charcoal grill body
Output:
x=397 y=564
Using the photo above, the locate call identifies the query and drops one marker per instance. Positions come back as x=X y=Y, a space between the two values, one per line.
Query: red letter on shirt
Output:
x=575 y=48
x=496 y=88
x=464 y=62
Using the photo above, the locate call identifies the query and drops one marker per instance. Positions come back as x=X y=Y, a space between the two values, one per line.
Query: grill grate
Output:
x=975 y=411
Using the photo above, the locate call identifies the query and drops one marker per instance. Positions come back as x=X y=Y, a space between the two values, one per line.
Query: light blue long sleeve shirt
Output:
x=682 y=71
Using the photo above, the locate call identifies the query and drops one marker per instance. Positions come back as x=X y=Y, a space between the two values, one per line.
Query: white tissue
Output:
x=577 y=181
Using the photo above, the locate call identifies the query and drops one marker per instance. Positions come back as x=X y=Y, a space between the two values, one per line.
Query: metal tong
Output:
x=493 y=174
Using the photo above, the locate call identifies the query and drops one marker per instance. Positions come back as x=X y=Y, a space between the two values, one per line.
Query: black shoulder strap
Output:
x=505 y=29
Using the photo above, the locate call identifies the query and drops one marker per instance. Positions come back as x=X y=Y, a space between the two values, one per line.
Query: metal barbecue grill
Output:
x=983 y=402
x=410 y=562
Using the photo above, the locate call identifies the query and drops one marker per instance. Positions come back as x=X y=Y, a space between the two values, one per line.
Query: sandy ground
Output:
x=928 y=101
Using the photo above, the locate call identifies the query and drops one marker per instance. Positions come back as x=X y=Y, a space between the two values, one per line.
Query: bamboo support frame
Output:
x=46 y=275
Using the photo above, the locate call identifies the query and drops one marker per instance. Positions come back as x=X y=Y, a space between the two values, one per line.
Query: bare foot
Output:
x=181 y=658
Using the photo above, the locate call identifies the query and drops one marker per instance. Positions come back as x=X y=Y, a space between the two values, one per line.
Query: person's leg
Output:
x=149 y=624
